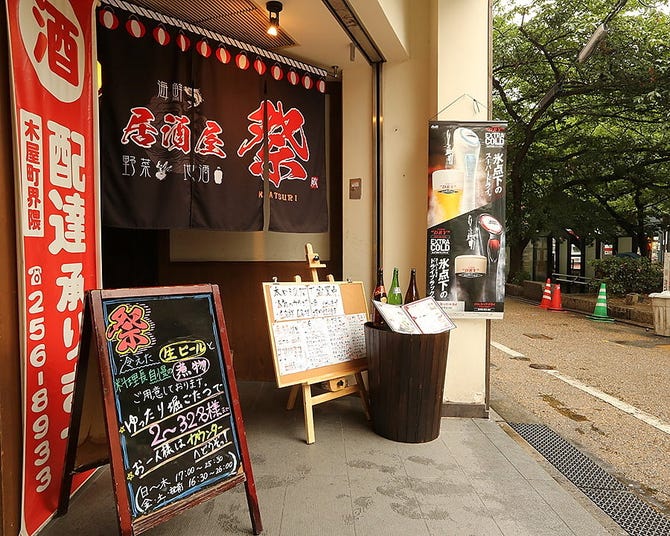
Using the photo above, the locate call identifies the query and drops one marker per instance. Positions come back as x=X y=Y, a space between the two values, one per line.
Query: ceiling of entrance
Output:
x=307 y=30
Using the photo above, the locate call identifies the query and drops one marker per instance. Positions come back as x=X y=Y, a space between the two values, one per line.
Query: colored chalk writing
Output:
x=173 y=405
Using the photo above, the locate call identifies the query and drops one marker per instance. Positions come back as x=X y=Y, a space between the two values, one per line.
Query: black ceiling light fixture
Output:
x=274 y=8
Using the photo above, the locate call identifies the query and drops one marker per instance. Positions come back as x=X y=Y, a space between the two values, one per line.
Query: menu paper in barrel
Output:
x=172 y=409
x=420 y=316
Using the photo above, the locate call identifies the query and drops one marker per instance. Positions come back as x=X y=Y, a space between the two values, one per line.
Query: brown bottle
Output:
x=412 y=293
x=379 y=295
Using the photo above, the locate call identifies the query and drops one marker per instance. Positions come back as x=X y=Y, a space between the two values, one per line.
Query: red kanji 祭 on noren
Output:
x=286 y=142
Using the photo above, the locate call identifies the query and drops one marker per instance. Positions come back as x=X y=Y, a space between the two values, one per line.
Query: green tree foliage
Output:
x=588 y=146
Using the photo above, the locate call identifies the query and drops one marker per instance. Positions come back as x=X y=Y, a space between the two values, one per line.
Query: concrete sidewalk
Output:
x=475 y=479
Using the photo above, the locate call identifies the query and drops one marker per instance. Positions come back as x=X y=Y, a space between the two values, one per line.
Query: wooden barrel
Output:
x=406 y=382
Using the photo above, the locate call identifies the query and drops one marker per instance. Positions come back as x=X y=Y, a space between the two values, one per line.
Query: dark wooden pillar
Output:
x=10 y=376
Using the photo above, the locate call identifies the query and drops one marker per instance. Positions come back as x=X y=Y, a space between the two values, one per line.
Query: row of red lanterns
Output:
x=137 y=29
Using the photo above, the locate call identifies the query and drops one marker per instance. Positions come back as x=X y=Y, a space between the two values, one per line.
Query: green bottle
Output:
x=395 y=292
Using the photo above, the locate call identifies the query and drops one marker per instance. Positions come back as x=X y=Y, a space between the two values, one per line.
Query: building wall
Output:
x=415 y=88
x=463 y=60
x=426 y=69
x=407 y=107
x=358 y=227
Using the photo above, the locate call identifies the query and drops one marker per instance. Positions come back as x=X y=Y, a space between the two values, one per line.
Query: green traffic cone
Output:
x=600 y=310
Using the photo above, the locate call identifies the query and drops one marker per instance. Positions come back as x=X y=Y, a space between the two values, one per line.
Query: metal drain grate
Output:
x=576 y=467
x=634 y=515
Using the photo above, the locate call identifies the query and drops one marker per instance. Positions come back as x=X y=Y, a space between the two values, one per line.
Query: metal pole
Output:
x=666 y=260
x=378 y=118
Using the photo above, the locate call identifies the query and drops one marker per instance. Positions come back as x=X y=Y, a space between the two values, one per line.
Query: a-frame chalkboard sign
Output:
x=174 y=425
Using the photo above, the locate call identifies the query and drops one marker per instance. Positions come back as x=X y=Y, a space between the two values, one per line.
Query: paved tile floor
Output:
x=474 y=479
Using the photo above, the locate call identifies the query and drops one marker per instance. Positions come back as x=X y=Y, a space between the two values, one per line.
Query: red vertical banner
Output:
x=52 y=66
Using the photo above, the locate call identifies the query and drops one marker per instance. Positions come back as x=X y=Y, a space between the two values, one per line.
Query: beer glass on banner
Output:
x=471 y=274
x=466 y=157
x=471 y=269
x=448 y=192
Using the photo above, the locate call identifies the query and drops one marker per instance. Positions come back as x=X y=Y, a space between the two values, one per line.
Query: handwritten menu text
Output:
x=173 y=407
x=311 y=329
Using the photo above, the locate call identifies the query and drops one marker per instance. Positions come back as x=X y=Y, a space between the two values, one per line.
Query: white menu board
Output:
x=313 y=300
x=317 y=342
x=315 y=325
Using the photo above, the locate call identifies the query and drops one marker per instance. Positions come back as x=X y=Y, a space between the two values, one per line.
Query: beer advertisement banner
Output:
x=51 y=45
x=185 y=126
x=466 y=217
x=296 y=155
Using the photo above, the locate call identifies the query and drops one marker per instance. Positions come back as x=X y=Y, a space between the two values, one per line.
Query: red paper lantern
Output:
x=242 y=61
x=203 y=48
x=108 y=19
x=135 y=28
x=161 y=35
x=293 y=78
x=259 y=66
x=223 y=55
x=307 y=82
x=277 y=72
x=183 y=42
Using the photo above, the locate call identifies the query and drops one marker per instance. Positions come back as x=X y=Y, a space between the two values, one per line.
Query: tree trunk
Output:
x=640 y=236
x=642 y=242
x=516 y=249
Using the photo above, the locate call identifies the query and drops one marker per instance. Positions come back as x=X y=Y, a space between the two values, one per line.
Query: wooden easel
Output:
x=314 y=264
x=335 y=379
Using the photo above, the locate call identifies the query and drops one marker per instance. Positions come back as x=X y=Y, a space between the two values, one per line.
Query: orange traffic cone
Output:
x=545 y=303
x=556 y=303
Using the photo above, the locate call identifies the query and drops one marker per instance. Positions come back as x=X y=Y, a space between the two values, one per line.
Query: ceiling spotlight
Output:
x=273 y=9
